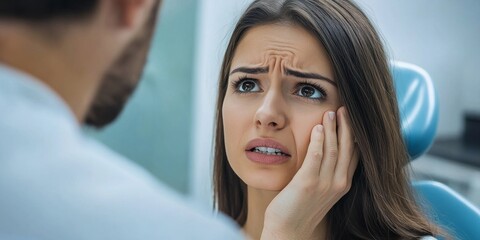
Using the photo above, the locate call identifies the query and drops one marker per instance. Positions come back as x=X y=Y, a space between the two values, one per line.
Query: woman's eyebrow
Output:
x=309 y=75
x=258 y=70
x=250 y=70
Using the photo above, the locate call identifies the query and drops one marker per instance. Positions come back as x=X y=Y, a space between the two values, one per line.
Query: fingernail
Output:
x=331 y=115
x=319 y=128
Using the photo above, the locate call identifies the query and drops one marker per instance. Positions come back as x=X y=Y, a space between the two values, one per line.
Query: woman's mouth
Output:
x=266 y=151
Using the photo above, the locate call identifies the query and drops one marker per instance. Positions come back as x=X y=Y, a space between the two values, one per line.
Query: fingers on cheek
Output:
x=316 y=141
x=341 y=122
x=345 y=131
x=329 y=120
x=317 y=133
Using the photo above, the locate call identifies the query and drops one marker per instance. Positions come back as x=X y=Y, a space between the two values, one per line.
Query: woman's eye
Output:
x=310 y=92
x=248 y=86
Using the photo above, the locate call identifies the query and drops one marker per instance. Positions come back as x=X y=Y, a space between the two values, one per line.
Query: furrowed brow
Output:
x=250 y=70
x=309 y=75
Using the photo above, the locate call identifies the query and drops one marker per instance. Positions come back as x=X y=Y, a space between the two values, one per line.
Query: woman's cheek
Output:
x=236 y=122
x=302 y=129
x=302 y=140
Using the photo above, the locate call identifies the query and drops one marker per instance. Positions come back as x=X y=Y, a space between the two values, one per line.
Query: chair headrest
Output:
x=418 y=105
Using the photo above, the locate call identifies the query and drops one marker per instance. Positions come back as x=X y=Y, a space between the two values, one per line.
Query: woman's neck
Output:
x=258 y=201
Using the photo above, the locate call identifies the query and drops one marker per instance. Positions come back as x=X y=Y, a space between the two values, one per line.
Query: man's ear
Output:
x=131 y=11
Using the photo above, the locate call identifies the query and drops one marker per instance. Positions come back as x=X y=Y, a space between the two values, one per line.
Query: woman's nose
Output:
x=271 y=113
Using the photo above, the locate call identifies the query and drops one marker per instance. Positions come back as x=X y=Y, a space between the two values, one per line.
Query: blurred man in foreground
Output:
x=55 y=182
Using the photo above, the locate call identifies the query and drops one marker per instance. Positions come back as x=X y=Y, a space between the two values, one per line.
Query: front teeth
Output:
x=268 y=151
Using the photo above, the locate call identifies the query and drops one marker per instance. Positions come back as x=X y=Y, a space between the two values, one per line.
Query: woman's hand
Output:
x=324 y=177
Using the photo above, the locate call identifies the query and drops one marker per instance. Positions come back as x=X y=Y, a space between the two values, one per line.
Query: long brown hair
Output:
x=380 y=203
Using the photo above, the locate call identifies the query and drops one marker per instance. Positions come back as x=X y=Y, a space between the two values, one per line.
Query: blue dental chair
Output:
x=419 y=117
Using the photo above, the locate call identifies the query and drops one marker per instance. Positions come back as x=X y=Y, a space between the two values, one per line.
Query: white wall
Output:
x=216 y=19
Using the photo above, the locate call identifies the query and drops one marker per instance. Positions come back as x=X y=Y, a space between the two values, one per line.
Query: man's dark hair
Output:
x=44 y=10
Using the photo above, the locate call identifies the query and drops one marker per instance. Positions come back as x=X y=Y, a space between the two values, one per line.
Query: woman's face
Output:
x=280 y=85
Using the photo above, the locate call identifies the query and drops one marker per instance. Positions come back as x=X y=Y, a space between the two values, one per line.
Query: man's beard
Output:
x=121 y=78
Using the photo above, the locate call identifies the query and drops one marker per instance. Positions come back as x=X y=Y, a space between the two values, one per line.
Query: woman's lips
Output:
x=266 y=151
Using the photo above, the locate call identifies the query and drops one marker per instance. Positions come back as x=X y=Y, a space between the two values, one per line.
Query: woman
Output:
x=308 y=142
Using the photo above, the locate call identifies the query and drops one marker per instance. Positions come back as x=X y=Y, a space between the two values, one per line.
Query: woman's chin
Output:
x=269 y=182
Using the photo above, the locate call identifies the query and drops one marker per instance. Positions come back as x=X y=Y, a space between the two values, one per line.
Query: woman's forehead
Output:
x=294 y=46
